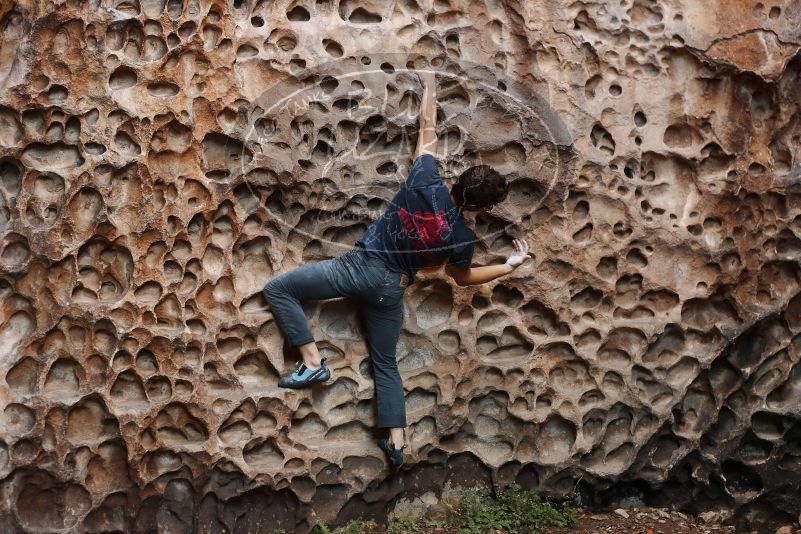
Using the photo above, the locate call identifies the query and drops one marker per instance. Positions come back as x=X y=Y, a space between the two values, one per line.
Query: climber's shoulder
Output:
x=423 y=172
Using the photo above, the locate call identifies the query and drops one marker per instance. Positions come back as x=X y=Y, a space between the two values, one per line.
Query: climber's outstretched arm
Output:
x=427 y=135
x=469 y=276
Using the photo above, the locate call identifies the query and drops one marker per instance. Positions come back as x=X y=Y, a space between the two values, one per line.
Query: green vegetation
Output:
x=356 y=526
x=409 y=524
x=516 y=511
x=474 y=511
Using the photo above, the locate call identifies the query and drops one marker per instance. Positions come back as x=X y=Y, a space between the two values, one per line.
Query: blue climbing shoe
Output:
x=395 y=455
x=304 y=377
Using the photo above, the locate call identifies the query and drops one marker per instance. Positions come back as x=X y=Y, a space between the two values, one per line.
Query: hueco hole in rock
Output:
x=162 y=161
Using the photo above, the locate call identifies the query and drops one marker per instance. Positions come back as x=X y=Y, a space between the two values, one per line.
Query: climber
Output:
x=422 y=227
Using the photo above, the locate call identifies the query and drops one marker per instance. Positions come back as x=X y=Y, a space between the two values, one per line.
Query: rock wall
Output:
x=160 y=160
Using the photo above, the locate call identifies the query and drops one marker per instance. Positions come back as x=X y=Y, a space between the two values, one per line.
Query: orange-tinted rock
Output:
x=161 y=160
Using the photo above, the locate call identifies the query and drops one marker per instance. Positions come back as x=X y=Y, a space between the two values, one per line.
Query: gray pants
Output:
x=377 y=289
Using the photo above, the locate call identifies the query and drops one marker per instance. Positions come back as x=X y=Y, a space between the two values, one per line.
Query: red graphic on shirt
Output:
x=425 y=229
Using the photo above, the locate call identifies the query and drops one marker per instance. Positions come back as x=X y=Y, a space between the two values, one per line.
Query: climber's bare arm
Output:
x=427 y=134
x=469 y=276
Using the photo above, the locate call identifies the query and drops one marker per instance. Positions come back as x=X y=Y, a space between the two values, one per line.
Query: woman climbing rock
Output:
x=422 y=227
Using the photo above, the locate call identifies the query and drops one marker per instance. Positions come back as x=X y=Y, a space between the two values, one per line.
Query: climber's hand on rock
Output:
x=520 y=255
x=428 y=78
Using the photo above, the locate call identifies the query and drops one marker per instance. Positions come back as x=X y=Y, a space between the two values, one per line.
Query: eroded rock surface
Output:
x=160 y=160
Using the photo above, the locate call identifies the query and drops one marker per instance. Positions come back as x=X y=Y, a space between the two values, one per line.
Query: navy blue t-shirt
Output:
x=421 y=227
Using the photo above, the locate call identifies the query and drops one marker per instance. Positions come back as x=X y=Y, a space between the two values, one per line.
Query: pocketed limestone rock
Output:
x=160 y=161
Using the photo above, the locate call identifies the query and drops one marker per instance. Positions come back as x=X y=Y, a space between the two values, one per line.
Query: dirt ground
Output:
x=642 y=521
x=639 y=521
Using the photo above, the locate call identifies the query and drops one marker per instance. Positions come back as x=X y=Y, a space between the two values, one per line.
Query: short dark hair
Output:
x=480 y=187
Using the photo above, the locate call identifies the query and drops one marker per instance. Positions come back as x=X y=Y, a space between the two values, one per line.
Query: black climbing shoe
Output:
x=304 y=377
x=395 y=455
